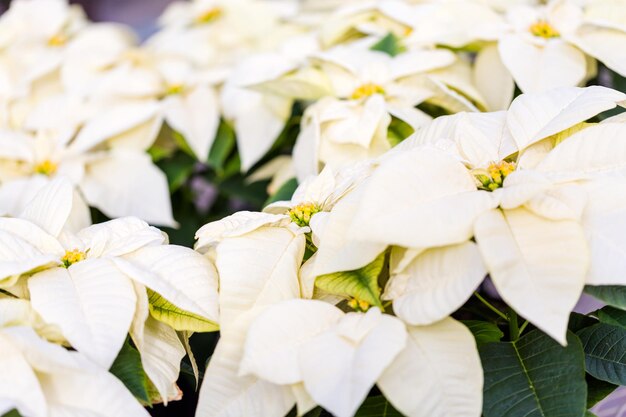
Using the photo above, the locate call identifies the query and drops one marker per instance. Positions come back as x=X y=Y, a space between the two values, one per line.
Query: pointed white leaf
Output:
x=419 y=199
x=32 y=234
x=18 y=257
x=604 y=222
x=276 y=335
x=437 y=283
x=538 y=68
x=533 y=117
x=336 y=251
x=597 y=149
x=493 y=79
x=51 y=206
x=438 y=373
x=258 y=269
x=161 y=353
x=226 y=394
x=120 y=237
x=196 y=116
x=537 y=265
x=116 y=120
x=126 y=183
x=180 y=275
x=237 y=224
x=93 y=304
x=72 y=385
x=19 y=385
x=340 y=366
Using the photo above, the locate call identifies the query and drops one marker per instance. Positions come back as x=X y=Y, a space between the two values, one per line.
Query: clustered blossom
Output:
x=438 y=144
x=90 y=291
x=540 y=222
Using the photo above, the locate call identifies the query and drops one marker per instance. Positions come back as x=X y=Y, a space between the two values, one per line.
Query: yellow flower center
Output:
x=302 y=213
x=174 y=89
x=493 y=177
x=59 y=39
x=367 y=90
x=209 y=16
x=543 y=29
x=358 y=305
x=72 y=256
x=46 y=167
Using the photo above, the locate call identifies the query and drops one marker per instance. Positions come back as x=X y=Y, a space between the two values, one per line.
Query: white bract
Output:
x=40 y=379
x=338 y=358
x=516 y=210
x=366 y=90
x=108 y=280
x=258 y=257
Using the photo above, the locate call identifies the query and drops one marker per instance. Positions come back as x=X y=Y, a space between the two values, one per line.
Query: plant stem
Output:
x=514 y=330
x=523 y=327
x=490 y=306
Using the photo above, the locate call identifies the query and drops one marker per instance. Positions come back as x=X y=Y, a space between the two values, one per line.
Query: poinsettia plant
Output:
x=369 y=209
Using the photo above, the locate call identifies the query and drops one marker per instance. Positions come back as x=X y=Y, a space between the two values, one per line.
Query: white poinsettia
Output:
x=258 y=256
x=103 y=62
x=99 y=284
x=516 y=209
x=561 y=37
x=320 y=193
x=33 y=38
x=217 y=33
x=41 y=379
x=17 y=312
x=369 y=88
x=338 y=358
x=361 y=19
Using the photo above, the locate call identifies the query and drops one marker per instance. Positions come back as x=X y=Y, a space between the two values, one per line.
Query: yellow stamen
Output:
x=209 y=16
x=73 y=256
x=367 y=90
x=174 y=89
x=46 y=167
x=493 y=177
x=543 y=29
x=59 y=39
x=408 y=31
x=359 y=305
x=302 y=213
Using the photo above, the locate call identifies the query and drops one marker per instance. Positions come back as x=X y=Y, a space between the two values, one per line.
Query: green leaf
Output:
x=222 y=147
x=12 y=413
x=377 y=407
x=128 y=369
x=390 y=45
x=613 y=295
x=182 y=144
x=284 y=193
x=360 y=284
x=484 y=332
x=179 y=319
x=177 y=169
x=612 y=315
x=398 y=131
x=580 y=321
x=534 y=377
x=604 y=346
x=597 y=390
x=590 y=414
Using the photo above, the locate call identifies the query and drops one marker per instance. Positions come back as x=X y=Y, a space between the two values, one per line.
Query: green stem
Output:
x=514 y=330
x=490 y=306
x=521 y=329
